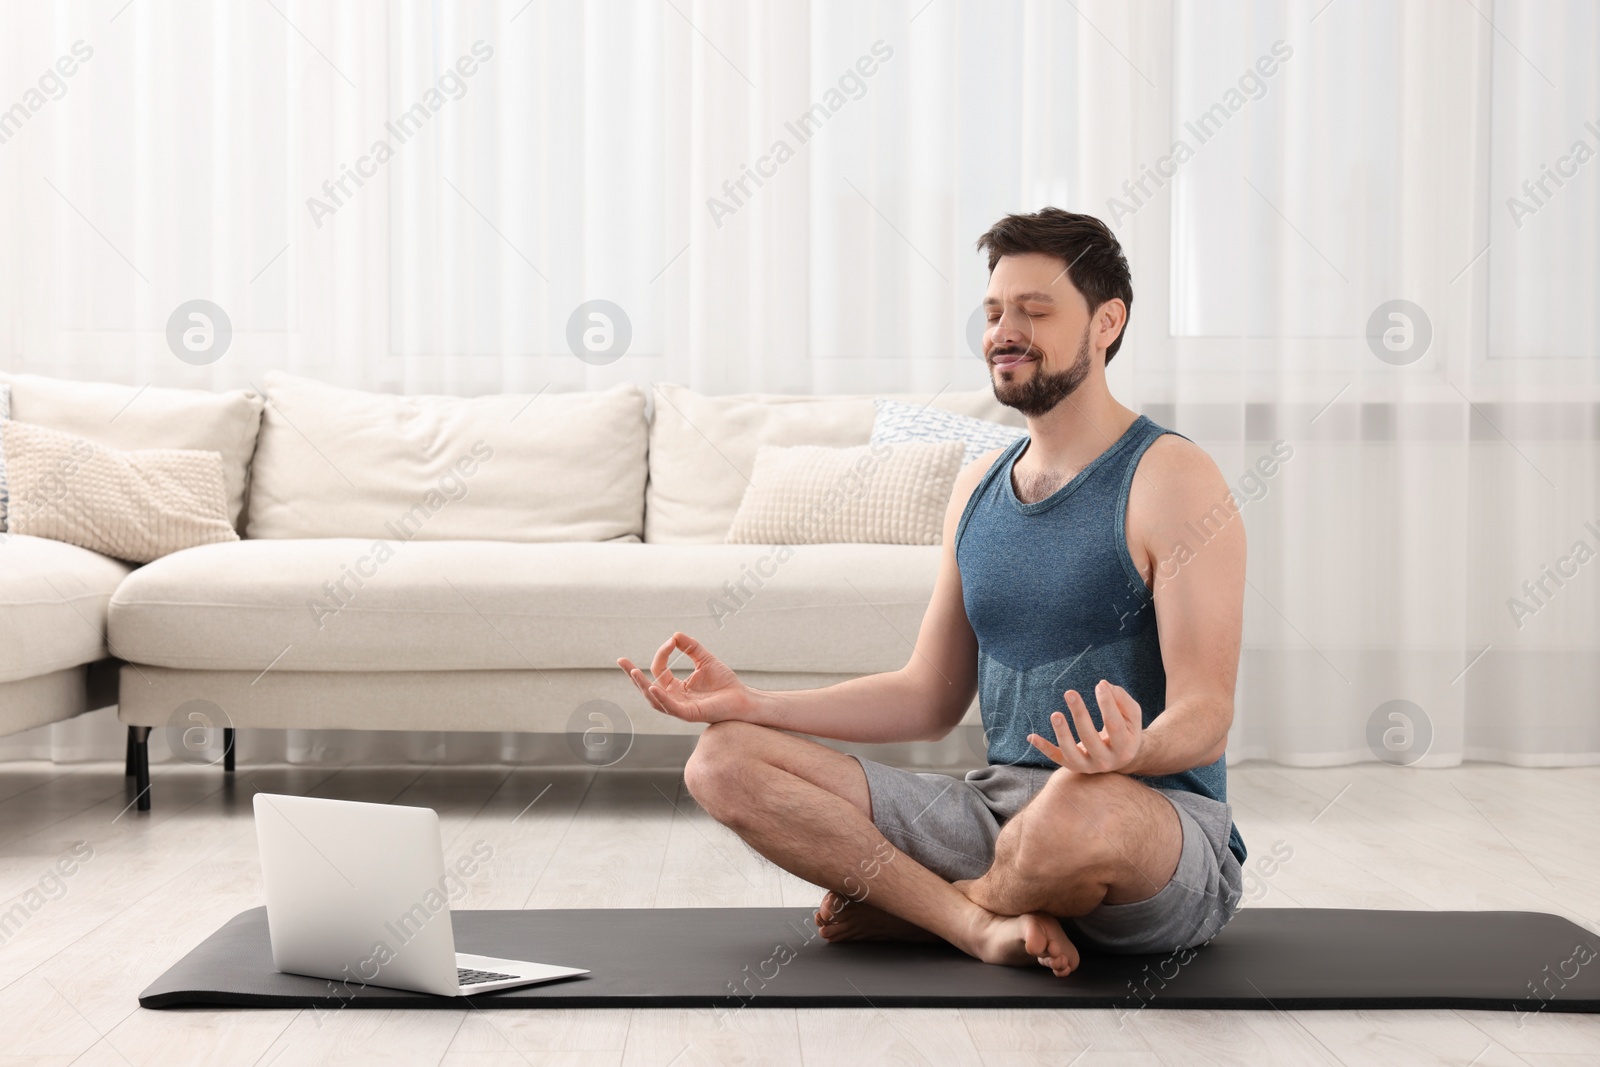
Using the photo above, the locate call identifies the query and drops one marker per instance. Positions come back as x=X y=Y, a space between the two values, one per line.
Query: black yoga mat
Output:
x=1269 y=958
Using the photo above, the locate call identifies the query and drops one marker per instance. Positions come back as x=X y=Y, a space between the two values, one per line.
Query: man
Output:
x=1098 y=557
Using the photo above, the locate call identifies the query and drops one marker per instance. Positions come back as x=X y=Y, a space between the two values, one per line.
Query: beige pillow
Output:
x=702 y=447
x=139 y=417
x=136 y=506
x=872 y=494
x=338 y=462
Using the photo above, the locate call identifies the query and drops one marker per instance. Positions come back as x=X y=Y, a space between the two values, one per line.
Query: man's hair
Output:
x=1085 y=245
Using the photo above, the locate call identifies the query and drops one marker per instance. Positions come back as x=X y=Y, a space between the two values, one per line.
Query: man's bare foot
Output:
x=841 y=919
x=1019 y=940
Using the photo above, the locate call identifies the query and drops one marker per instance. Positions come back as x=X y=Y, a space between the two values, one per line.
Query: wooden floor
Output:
x=1371 y=836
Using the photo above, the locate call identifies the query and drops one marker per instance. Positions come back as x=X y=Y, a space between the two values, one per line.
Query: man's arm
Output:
x=924 y=700
x=1183 y=517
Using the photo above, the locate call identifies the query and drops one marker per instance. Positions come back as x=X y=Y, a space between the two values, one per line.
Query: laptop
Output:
x=359 y=894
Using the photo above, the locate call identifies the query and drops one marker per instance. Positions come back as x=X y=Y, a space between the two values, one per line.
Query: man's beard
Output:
x=1044 y=390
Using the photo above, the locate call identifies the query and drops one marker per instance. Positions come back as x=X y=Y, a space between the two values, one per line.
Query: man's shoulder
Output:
x=1176 y=480
x=967 y=480
x=1172 y=453
x=966 y=484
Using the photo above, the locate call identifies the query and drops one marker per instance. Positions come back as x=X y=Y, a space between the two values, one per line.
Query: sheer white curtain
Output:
x=784 y=196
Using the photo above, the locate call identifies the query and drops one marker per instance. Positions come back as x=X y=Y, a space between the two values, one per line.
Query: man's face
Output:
x=1037 y=342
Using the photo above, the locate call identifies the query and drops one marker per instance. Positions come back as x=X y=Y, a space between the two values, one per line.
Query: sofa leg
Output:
x=227 y=749
x=127 y=765
x=140 y=736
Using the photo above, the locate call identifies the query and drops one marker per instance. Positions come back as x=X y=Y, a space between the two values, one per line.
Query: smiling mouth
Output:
x=1010 y=360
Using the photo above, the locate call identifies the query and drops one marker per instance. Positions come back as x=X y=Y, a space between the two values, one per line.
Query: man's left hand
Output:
x=1111 y=748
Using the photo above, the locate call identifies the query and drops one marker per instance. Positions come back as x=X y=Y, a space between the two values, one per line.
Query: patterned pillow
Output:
x=137 y=505
x=5 y=415
x=898 y=422
x=871 y=494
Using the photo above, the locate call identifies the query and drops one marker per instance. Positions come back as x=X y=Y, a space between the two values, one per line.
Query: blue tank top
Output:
x=1057 y=604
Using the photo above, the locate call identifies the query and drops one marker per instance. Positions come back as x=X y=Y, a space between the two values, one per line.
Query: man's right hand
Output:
x=712 y=693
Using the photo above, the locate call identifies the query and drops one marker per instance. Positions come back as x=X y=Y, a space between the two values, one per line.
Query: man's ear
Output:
x=1109 y=320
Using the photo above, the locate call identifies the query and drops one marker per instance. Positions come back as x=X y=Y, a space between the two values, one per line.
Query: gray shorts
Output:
x=949 y=825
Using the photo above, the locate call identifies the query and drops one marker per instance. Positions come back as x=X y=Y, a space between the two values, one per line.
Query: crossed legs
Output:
x=1082 y=841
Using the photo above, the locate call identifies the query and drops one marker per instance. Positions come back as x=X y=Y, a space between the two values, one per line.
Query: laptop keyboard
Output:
x=467 y=976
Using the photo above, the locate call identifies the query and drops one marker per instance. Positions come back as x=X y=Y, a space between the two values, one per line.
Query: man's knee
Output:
x=720 y=765
x=1070 y=830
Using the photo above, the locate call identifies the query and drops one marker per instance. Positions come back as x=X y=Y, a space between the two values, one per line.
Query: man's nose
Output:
x=1013 y=327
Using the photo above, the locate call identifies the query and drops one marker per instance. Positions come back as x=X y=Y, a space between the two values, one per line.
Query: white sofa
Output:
x=503 y=596
x=53 y=658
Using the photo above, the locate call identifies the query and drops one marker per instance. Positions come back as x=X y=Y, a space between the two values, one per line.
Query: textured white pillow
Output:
x=899 y=423
x=872 y=494
x=702 y=447
x=141 y=417
x=336 y=462
x=137 y=505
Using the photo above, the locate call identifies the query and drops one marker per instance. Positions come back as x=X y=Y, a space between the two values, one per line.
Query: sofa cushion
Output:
x=549 y=467
x=134 y=505
x=53 y=600
x=900 y=423
x=870 y=494
x=344 y=604
x=133 y=417
x=703 y=448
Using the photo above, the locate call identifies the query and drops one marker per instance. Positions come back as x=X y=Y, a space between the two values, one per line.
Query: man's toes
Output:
x=1047 y=942
x=831 y=908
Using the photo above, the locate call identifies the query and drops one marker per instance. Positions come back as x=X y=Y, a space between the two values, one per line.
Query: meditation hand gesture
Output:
x=1096 y=751
x=711 y=694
